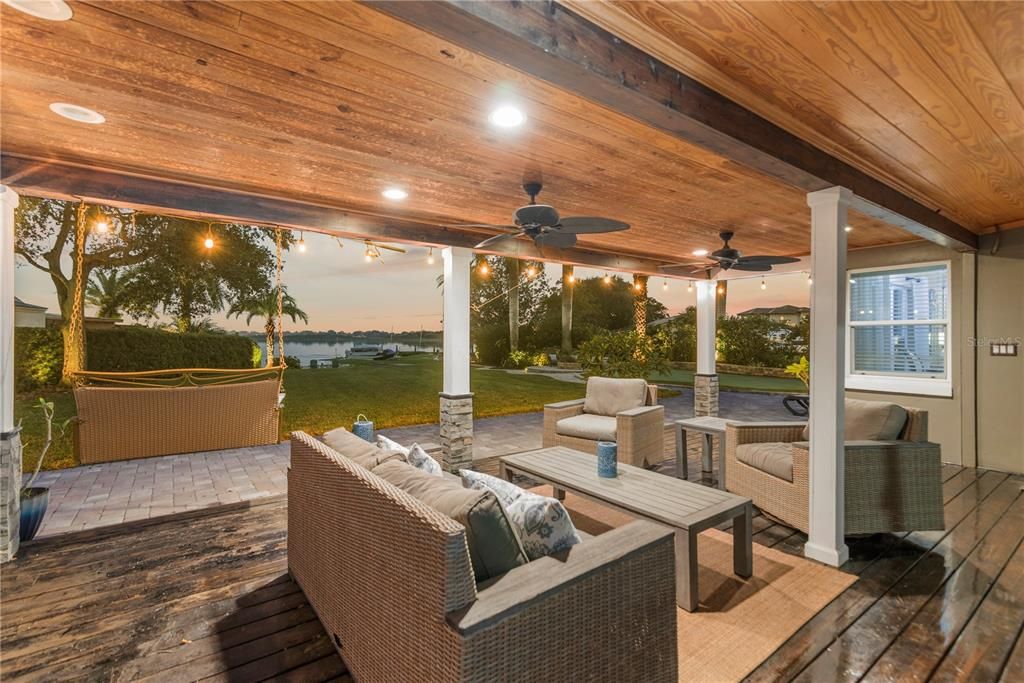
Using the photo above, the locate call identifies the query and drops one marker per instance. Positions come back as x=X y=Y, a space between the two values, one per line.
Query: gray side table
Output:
x=708 y=427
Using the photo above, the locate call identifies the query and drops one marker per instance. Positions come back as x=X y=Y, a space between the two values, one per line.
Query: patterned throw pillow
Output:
x=543 y=525
x=414 y=455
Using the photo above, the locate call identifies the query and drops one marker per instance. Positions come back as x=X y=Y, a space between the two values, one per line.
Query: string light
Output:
x=368 y=254
x=637 y=286
x=809 y=280
x=484 y=269
x=664 y=285
x=764 y=285
x=430 y=256
x=607 y=279
x=302 y=243
x=531 y=271
x=572 y=279
x=101 y=226
x=208 y=241
x=721 y=289
x=689 y=287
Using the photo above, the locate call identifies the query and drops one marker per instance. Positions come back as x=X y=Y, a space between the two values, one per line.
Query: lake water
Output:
x=307 y=351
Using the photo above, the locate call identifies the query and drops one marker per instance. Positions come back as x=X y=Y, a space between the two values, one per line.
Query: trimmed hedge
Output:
x=39 y=352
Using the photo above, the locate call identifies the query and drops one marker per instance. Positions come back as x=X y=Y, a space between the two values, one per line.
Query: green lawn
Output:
x=781 y=385
x=392 y=393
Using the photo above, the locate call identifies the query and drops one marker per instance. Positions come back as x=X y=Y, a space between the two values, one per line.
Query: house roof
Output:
x=18 y=303
x=778 y=310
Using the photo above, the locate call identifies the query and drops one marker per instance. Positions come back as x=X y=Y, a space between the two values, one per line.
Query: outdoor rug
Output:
x=740 y=622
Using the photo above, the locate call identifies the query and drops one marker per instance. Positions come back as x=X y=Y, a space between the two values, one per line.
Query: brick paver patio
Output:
x=112 y=493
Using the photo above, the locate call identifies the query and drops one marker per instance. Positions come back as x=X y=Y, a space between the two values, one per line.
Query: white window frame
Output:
x=898 y=383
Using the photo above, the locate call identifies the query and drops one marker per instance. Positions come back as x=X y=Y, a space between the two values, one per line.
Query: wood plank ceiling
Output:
x=333 y=102
x=926 y=96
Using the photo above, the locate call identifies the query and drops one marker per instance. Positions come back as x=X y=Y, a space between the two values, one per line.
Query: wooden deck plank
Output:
x=876 y=577
x=853 y=653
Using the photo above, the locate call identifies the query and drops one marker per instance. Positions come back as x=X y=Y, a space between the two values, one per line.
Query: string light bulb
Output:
x=607 y=279
x=764 y=285
x=637 y=286
x=302 y=243
x=721 y=289
x=101 y=226
x=368 y=254
x=484 y=269
x=664 y=285
x=572 y=279
x=430 y=256
x=531 y=271
x=689 y=287
x=208 y=243
x=208 y=240
x=809 y=280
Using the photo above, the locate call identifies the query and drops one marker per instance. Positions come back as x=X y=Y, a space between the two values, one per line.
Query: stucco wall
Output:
x=1001 y=379
x=950 y=419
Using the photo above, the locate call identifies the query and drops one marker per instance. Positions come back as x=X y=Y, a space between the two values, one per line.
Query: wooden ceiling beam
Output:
x=58 y=180
x=546 y=41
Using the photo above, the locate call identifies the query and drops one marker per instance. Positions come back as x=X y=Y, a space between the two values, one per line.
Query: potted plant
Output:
x=34 y=499
x=799 y=404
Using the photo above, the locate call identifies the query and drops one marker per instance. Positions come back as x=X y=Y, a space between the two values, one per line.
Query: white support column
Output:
x=705 y=383
x=10 y=442
x=825 y=539
x=456 y=419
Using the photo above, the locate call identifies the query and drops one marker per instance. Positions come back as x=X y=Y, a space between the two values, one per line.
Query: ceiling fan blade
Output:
x=582 y=225
x=389 y=247
x=770 y=260
x=489 y=226
x=754 y=267
x=687 y=268
x=558 y=240
x=536 y=214
x=490 y=241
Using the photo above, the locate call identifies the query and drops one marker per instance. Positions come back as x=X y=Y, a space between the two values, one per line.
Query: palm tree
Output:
x=106 y=291
x=264 y=305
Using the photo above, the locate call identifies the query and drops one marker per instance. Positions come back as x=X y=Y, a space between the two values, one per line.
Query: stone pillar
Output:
x=10 y=493
x=705 y=381
x=456 y=431
x=10 y=439
x=705 y=395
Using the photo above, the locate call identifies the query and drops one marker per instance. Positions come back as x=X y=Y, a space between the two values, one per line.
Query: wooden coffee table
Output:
x=687 y=507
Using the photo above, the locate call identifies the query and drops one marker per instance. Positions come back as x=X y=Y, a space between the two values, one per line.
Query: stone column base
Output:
x=10 y=493
x=456 y=431
x=705 y=395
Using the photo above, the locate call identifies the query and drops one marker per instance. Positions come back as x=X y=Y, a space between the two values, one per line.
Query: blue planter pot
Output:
x=33 y=508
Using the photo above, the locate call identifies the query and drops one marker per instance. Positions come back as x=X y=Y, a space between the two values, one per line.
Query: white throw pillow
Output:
x=543 y=524
x=414 y=455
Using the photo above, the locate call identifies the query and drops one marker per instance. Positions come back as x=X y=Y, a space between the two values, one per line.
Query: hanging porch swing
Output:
x=127 y=415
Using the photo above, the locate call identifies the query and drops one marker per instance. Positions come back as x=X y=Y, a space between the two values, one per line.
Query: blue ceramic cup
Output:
x=607 y=459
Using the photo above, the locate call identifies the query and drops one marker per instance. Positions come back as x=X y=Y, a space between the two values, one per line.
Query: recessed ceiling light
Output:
x=52 y=10
x=700 y=252
x=507 y=117
x=76 y=113
x=395 y=193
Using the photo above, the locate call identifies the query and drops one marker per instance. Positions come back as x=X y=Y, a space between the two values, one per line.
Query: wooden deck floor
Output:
x=206 y=596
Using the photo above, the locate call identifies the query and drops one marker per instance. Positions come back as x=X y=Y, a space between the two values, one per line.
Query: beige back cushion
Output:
x=359 y=451
x=609 y=396
x=871 y=421
x=494 y=547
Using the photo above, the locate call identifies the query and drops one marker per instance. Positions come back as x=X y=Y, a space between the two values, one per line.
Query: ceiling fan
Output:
x=728 y=258
x=545 y=227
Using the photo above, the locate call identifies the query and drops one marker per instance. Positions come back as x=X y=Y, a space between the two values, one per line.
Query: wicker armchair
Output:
x=391 y=580
x=890 y=485
x=639 y=431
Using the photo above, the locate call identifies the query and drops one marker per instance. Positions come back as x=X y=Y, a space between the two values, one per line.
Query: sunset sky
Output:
x=340 y=291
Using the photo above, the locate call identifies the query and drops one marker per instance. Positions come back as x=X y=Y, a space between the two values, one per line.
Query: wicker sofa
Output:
x=625 y=411
x=892 y=484
x=391 y=580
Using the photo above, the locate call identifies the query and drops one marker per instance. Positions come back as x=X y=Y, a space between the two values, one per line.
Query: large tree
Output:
x=491 y=293
x=264 y=305
x=106 y=291
x=189 y=281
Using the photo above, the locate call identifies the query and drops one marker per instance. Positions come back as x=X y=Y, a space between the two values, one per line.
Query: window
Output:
x=898 y=322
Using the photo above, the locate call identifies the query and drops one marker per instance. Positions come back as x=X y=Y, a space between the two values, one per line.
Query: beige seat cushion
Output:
x=359 y=451
x=774 y=458
x=608 y=396
x=871 y=421
x=494 y=547
x=593 y=427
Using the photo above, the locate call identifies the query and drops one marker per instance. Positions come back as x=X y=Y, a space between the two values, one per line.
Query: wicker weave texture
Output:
x=640 y=438
x=889 y=485
x=391 y=581
x=124 y=423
